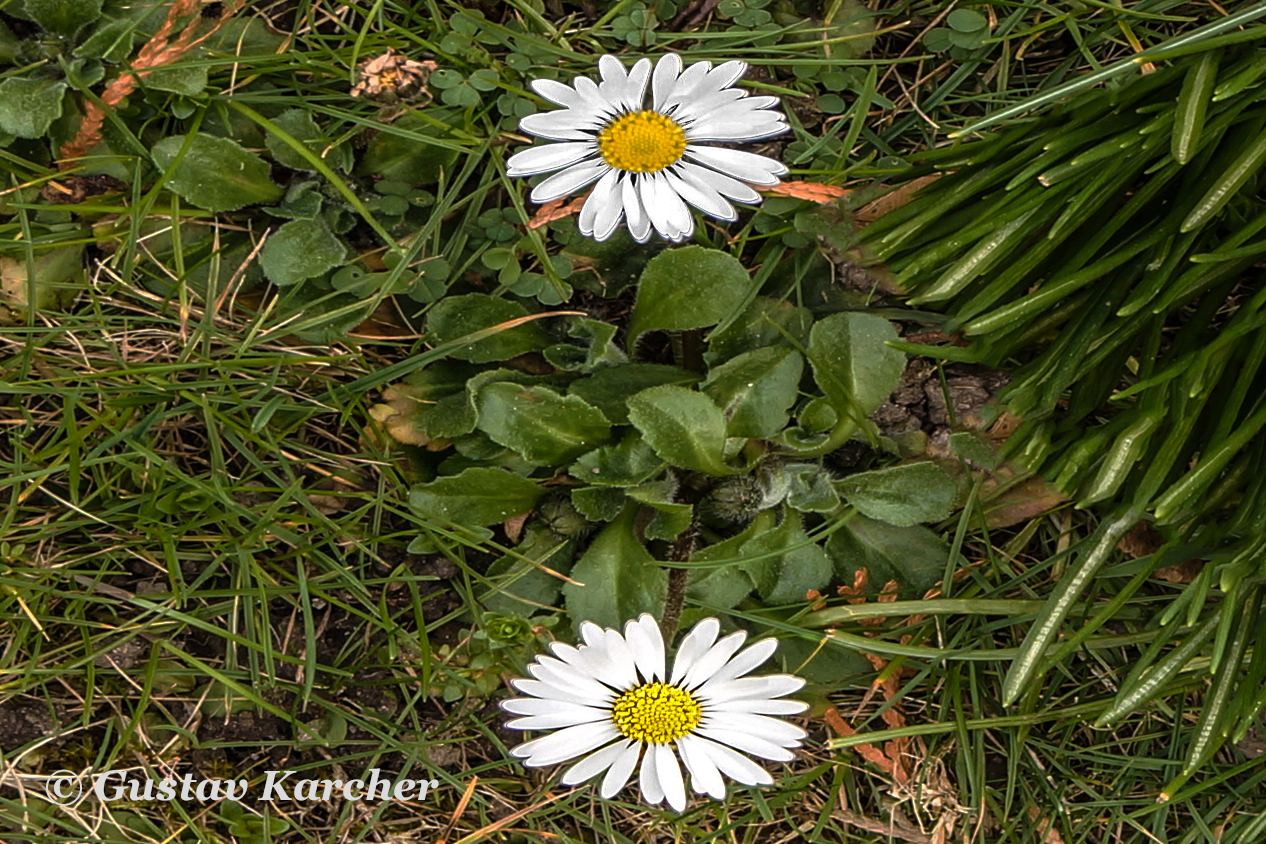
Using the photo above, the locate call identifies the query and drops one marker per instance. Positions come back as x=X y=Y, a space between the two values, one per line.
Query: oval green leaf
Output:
x=690 y=287
x=299 y=250
x=685 y=428
x=216 y=173
x=478 y=496
x=539 y=423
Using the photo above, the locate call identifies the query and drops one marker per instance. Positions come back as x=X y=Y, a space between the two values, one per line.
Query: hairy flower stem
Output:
x=672 y=604
x=688 y=349
x=688 y=353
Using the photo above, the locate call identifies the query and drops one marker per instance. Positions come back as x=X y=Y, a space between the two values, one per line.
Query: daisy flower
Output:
x=650 y=162
x=613 y=702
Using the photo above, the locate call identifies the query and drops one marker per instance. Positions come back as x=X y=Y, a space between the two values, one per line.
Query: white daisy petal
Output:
x=725 y=74
x=536 y=688
x=747 y=743
x=745 y=166
x=684 y=87
x=595 y=763
x=668 y=213
x=770 y=685
x=702 y=177
x=734 y=764
x=565 y=744
x=621 y=770
x=692 y=647
x=568 y=181
x=760 y=706
x=652 y=792
x=696 y=108
x=732 y=125
x=558 y=93
x=555 y=720
x=564 y=125
x=621 y=658
x=635 y=92
x=598 y=662
x=549 y=157
x=667 y=69
x=716 y=656
x=669 y=773
x=638 y=220
x=647 y=644
x=751 y=657
x=704 y=776
x=778 y=732
x=624 y=90
x=592 y=634
x=613 y=75
x=541 y=706
x=607 y=208
x=561 y=675
x=705 y=199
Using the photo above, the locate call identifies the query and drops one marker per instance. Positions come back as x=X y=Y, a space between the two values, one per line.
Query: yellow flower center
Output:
x=656 y=713
x=642 y=142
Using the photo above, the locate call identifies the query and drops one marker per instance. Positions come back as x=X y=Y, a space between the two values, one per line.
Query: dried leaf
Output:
x=867 y=751
x=514 y=526
x=1024 y=501
x=812 y=191
x=556 y=210
x=891 y=201
x=1141 y=540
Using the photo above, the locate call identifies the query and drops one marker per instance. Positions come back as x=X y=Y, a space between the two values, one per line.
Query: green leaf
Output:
x=63 y=17
x=756 y=389
x=723 y=586
x=539 y=423
x=671 y=517
x=601 y=350
x=29 y=106
x=620 y=578
x=609 y=389
x=111 y=41
x=974 y=448
x=829 y=664
x=914 y=557
x=765 y=322
x=457 y=316
x=297 y=123
x=299 y=250
x=685 y=428
x=522 y=588
x=689 y=287
x=789 y=565
x=626 y=463
x=414 y=157
x=811 y=490
x=938 y=40
x=965 y=20
x=598 y=503
x=901 y=495
x=851 y=363
x=477 y=496
x=216 y=173
x=186 y=80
